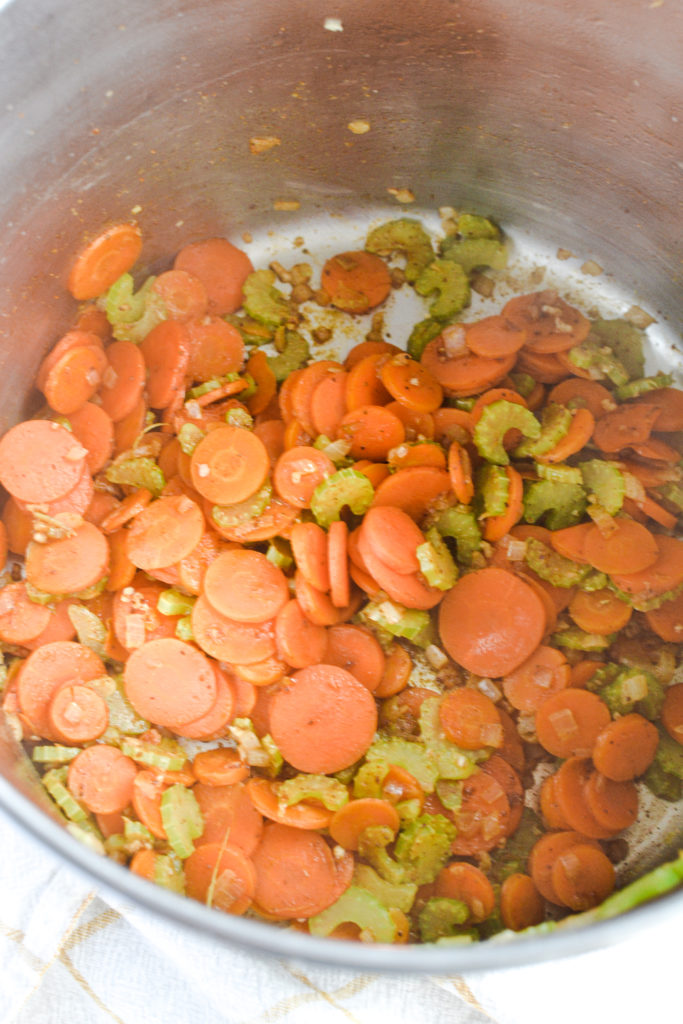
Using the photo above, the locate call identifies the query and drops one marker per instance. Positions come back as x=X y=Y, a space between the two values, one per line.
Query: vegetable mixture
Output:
x=301 y=638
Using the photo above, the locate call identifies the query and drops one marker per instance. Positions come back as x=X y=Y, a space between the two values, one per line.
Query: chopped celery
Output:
x=460 y=523
x=642 y=385
x=213 y=384
x=338 y=451
x=599 y=360
x=88 y=834
x=559 y=474
x=524 y=383
x=56 y=754
x=558 y=504
x=471 y=253
x=181 y=818
x=401 y=896
x=168 y=873
x=167 y=755
x=449 y=281
x=404 y=236
x=555 y=422
x=645 y=604
x=184 y=630
x=513 y=856
x=141 y=471
x=229 y=516
x=189 y=437
x=673 y=493
x=492 y=489
x=325 y=790
x=664 y=777
x=595 y=580
x=259 y=752
x=436 y=562
x=473 y=225
x=55 y=783
x=238 y=417
x=493 y=424
x=441 y=917
x=367 y=782
x=576 y=640
x=406 y=754
x=422 y=333
x=293 y=355
x=359 y=907
x=423 y=847
x=252 y=333
x=606 y=481
x=449 y=792
x=173 y=602
x=122 y=715
x=625 y=341
x=452 y=762
x=409 y=623
x=137 y=835
x=621 y=693
x=263 y=302
x=90 y=629
x=133 y=314
x=275 y=758
x=553 y=567
x=345 y=487
x=280 y=553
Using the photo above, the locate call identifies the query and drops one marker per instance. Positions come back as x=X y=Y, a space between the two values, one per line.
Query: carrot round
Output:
x=665 y=574
x=355 y=649
x=451 y=425
x=71 y=564
x=123 y=381
x=398 y=666
x=582 y=877
x=215 y=348
x=296 y=874
x=350 y=821
x=570 y=791
x=102 y=778
x=521 y=904
x=415 y=490
x=494 y=337
x=544 y=368
x=393 y=537
x=372 y=431
x=77 y=714
x=496 y=527
x=551 y=324
x=298 y=472
x=405 y=588
x=243 y=585
x=76 y=338
x=669 y=405
x=667 y=620
x=221 y=267
x=491 y=621
x=629 y=548
x=626 y=747
x=462 y=881
x=164 y=532
x=460 y=470
x=570 y=542
x=93 y=427
x=135 y=617
x=227 y=811
x=219 y=766
x=578 y=393
x=300 y=642
x=463 y=375
x=21 y=620
x=613 y=804
x=579 y=434
x=410 y=383
x=549 y=805
x=328 y=403
x=630 y=424
x=222 y=876
x=309 y=547
x=74 y=379
x=148 y=788
x=229 y=465
x=40 y=461
x=483 y=816
x=470 y=719
x=214 y=723
x=306 y=814
x=170 y=682
x=166 y=352
x=338 y=564
x=323 y=719
x=568 y=722
x=239 y=643
x=102 y=261
x=356 y=281
x=599 y=611
x=543 y=855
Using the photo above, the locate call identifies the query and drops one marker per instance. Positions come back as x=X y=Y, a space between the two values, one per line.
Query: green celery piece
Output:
x=409 y=623
x=183 y=629
x=400 y=897
x=460 y=523
x=422 y=333
x=252 y=333
x=141 y=471
x=495 y=421
x=626 y=342
x=54 y=782
x=239 y=418
x=275 y=758
x=524 y=383
x=137 y=835
x=473 y=225
x=599 y=360
x=367 y=781
x=645 y=604
x=360 y=907
x=167 y=755
x=556 y=503
x=406 y=237
x=207 y=386
x=423 y=846
x=54 y=754
x=122 y=715
x=441 y=917
x=664 y=777
x=672 y=493
x=345 y=487
x=189 y=437
x=449 y=281
x=173 y=602
x=322 y=788
x=471 y=253
x=555 y=422
x=280 y=553
x=436 y=562
x=133 y=314
x=169 y=874
x=605 y=480
x=492 y=489
x=86 y=832
x=417 y=760
x=553 y=567
x=643 y=385
x=229 y=516
x=577 y=640
x=90 y=629
x=294 y=354
x=181 y=818
x=595 y=580
x=615 y=694
x=514 y=855
x=558 y=474
x=263 y=302
x=384 y=864
x=449 y=792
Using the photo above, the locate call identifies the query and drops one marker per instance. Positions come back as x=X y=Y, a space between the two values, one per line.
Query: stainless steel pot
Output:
x=559 y=119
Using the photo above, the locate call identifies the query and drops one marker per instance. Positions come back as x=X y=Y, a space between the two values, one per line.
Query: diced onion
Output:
x=634 y=688
x=543 y=677
x=489 y=689
x=453 y=340
x=564 y=723
x=435 y=656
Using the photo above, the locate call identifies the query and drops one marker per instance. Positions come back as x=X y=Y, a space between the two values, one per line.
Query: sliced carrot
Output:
x=276 y=519
x=40 y=461
x=102 y=261
x=570 y=541
x=408 y=589
x=59 y=627
x=582 y=672
x=599 y=611
x=570 y=783
x=613 y=804
x=214 y=723
x=94 y=321
x=272 y=434
x=543 y=855
x=304 y=387
x=21 y=620
x=418 y=425
x=71 y=564
x=368 y=348
x=529 y=685
x=243 y=585
x=74 y=379
x=129 y=429
x=397 y=669
x=221 y=876
x=494 y=337
x=483 y=816
x=460 y=470
x=259 y=370
x=166 y=351
x=582 y=877
x=356 y=281
x=372 y=431
x=220 y=766
x=296 y=874
x=228 y=814
x=77 y=714
x=221 y=267
x=451 y=425
x=131 y=506
x=491 y=621
x=462 y=881
x=630 y=548
x=215 y=348
x=669 y=405
x=421 y=453
x=328 y=403
x=393 y=537
x=545 y=369
x=466 y=374
x=238 y=643
x=551 y=324
x=503 y=772
x=262 y=673
x=355 y=649
x=148 y=789
x=94 y=429
x=135 y=618
x=577 y=393
x=183 y=294
x=626 y=747
x=664 y=575
x=470 y=719
x=229 y=465
x=350 y=822
x=630 y=424
x=164 y=532
x=18 y=527
x=298 y=472
x=496 y=527
x=658 y=514
x=323 y=719
x=309 y=547
x=512 y=749
x=568 y=722
x=410 y=383
x=192 y=568
x=102 y=778
x=415 y=490
x=540 y=587
x=76 y=338
x=170 y=682
x=521 y=904
x=667 y=620
x=338 y=563
x=123 y=380
x=579 y=434
x=306 y=814
x=375 y=471
x=550 y=808
x=656 y=450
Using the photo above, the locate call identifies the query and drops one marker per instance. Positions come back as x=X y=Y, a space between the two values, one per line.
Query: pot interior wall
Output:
x=558 y=119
